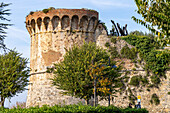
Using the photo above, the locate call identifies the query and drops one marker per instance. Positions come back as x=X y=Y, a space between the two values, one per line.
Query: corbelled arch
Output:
x=28 y=23
x=55 y=22
x=84 y=23
x=39 y=23
x=65 y=22
x=92 y=23
x=28 y=26
x=74 y=22
x=46 y=22
x=33 y=25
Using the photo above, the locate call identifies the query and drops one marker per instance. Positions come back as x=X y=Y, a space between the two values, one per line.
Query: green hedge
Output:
x=73 y=109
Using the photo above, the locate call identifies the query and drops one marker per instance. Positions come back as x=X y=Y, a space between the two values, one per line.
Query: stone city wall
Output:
x=58 y=29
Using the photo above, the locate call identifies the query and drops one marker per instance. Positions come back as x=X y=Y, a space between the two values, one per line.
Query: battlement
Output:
x=57 y=20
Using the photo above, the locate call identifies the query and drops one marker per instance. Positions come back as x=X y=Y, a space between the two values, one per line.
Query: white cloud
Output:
x=18 y=34
x=19 y=39
x=113 y=3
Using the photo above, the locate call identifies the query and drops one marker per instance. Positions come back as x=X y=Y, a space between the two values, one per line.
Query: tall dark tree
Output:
x=156 y=18
x=14 y=75
x=3 y=26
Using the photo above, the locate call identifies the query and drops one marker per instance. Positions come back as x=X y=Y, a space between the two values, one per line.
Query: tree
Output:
x=156 y=18
x=105 y=77
x=3 y=26
x=14 y=75
x=72 y=74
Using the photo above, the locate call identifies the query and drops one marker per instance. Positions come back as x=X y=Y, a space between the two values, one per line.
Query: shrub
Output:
x=45 y=11
x=134 y=81
x=114 y=53
x=148 y=89
x=126 y=52
x=156 y=61
x=107 y=44
x=155 y=99
x=114 y=40
x=31 y=13
x=19 y=105
x=144 y=80
x=74 y=109
x=155 y=79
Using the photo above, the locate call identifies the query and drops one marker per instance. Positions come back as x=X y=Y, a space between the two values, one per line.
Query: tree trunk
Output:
x=95 y=99
x=120 y=30
x=87 y=102
x=109 y=100
x=115 y=27
x=2 y=102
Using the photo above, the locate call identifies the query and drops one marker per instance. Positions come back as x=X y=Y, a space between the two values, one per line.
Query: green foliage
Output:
x=142 y=43
x=132 y=98
x=155 y=79
x=134 y=81
x=45 y=11
x=137 y=80
x=126 y=52
x=156 y=13
x=3 y=26
x=136 y=65
x=14 y=75
x=32 y=12
x=155 y=99
x=148 y=89
x=140 y=33
x=114 y=40
x=168 y=93
x=104 y=26
x=144 y=80
x=74 y=109
x=106 y=78
x=156 y=61
x=107 y=44
x=114 y=53
x=72 y=74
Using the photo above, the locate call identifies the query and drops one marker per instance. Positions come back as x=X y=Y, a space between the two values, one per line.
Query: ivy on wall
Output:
x=156 y=61
x=107 y=44
x=114 y=53
x=113 y=40
x=155 y=99
x=126 y=52
x=137 y=80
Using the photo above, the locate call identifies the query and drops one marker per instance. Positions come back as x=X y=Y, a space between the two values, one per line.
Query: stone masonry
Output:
x=58 y=29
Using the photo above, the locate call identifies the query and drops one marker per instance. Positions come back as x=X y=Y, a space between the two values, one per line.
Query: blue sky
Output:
x=120 y=11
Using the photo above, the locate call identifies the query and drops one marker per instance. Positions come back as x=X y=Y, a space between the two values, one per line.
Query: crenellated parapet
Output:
x=57 y=20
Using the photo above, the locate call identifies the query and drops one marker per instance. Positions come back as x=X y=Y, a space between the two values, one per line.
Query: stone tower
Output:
x=50 y=33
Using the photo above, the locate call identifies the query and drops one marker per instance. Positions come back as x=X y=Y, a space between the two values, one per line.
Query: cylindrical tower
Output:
x=51 y=31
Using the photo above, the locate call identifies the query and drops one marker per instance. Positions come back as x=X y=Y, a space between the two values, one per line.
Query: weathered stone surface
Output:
x=51 y=33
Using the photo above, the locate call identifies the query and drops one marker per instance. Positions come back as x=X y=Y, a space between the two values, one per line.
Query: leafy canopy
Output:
x=156 y=17
x=73 y=73
x=3 y=26
x=14 y=75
